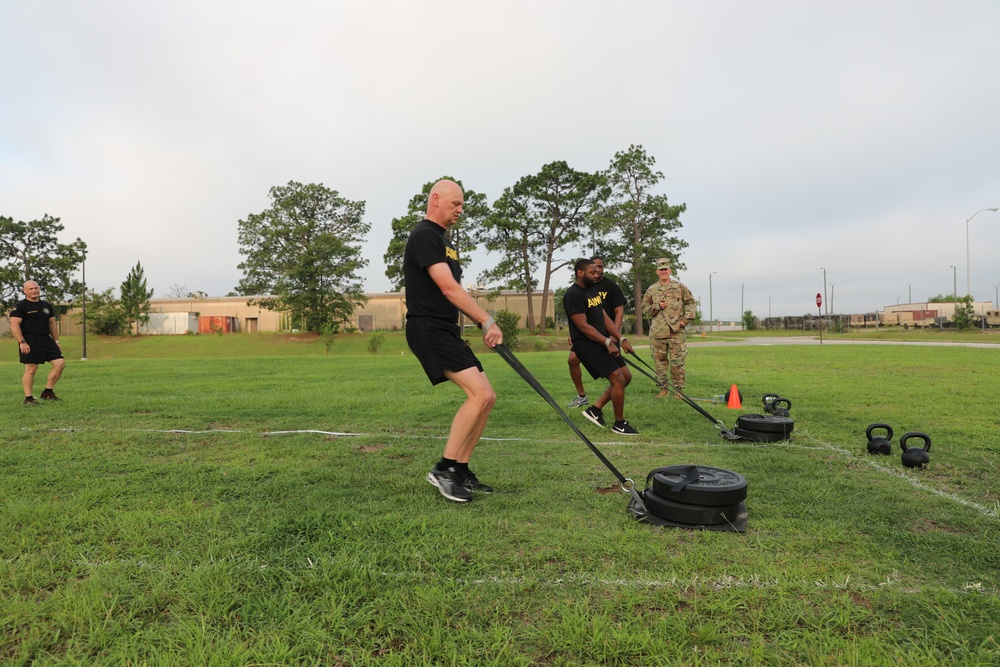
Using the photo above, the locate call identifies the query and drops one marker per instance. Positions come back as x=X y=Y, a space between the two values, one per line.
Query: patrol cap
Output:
x=663 y=263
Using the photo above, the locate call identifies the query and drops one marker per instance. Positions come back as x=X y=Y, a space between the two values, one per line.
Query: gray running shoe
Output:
x=594 y=414
x=451 y=484
x=578 y=402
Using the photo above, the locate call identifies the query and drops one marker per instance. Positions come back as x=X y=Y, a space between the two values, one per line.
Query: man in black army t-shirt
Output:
x=434 y=295
x=33 y=325
x=596 y=341
x=614 y=304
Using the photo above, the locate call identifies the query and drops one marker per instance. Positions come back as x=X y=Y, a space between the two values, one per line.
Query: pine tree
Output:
x=135 y=297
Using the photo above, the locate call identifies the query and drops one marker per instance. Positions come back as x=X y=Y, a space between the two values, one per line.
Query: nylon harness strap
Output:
x=726 y=433
x=691 y=474
x=519 y=368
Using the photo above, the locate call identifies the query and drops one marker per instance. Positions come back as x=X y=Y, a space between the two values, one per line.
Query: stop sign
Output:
x=819 y=299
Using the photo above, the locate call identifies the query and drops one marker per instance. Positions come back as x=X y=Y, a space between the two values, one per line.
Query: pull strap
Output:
x=692 y=473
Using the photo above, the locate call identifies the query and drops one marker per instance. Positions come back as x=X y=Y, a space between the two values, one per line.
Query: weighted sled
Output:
x=766 y=423
x=760 y=436
x=713 y=487
x=879 y=444
x=692 y=514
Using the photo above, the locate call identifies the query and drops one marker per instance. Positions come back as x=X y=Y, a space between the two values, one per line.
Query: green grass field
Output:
x=250 y=500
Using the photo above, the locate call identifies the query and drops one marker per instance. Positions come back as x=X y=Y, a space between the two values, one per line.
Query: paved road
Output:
x=695 y=341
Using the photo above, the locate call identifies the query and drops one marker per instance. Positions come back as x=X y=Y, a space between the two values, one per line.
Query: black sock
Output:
x=445 y=464
x=461 y=467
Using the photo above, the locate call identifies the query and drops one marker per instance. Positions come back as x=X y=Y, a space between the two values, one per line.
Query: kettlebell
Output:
x=730 y=391
x=780 y=407
x=878 y=444
x=768 y=400
x=912 y=456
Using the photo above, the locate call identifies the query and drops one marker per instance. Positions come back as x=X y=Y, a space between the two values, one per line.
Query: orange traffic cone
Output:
x=734 y=398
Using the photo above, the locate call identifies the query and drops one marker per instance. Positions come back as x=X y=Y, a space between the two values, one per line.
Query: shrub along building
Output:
x=231 y=314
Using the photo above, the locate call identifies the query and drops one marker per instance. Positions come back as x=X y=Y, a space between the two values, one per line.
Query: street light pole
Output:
x=909 y=292
x=83 y=318
x=968 y=268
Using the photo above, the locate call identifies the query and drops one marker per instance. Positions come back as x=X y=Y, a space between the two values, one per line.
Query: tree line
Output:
x=304 y=251
x=302 y=255
x=30 y=250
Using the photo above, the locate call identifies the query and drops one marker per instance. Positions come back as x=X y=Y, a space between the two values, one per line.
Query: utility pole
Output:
x=954 y=294
x=711 y=316
x=824 y=293
x=741 y=304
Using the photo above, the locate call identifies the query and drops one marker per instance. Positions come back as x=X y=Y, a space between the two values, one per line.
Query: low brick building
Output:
x=231 y=314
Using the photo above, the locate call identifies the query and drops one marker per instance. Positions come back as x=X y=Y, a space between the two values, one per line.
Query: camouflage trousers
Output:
x=669 y=354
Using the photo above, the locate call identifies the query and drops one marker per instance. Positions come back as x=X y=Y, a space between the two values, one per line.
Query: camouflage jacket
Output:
x=680 y=306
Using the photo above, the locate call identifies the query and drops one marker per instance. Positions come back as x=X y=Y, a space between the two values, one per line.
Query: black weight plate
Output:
x=692 y=514
x=760 y=436
x=714 y=487
x=766 y=423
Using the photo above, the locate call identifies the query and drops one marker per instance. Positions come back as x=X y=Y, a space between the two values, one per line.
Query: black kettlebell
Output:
x=780 y=407
x=878 y=444
x=912 y=456
x=768 y=399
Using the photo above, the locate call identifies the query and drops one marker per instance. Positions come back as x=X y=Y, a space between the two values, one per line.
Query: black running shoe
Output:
x=594 y=414
x=451 y=484
x=49 y=395
x=472 y=483
x=624 y=428
x=28 y=400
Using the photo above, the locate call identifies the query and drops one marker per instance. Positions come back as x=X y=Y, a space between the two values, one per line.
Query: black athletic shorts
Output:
x=43 y=349
x=595 y=358
x=439 y=347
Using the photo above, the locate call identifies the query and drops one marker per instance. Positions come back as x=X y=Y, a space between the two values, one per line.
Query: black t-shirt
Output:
x=612 y=295
x=35 y=316
x=588 y=301
x=425 y=247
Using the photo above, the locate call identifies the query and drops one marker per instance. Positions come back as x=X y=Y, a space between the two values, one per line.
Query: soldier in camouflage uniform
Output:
x=671 y=306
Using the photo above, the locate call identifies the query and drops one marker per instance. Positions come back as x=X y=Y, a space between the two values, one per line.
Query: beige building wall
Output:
x=384 y=310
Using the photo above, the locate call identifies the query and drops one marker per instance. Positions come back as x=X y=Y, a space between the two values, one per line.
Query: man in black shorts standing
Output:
x=33 y=326
x=614 y=304
x=596 y=341
x=434 y=296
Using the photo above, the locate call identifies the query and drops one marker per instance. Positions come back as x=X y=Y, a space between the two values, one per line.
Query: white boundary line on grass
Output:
x=978 y=508
x=727 y=582
x=981 y=509
x=313 y=431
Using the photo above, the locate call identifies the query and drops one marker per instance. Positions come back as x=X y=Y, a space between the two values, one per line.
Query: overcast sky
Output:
x=852 y=136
